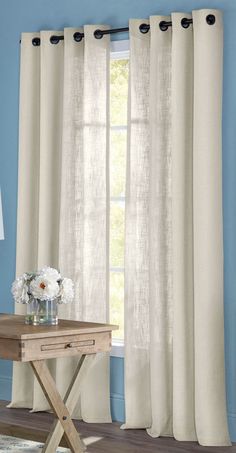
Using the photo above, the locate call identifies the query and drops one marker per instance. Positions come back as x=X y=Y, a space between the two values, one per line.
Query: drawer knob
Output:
x=69 y=345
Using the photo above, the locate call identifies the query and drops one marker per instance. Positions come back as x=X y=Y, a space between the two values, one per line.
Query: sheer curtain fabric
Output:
x=63 y=194
x=174 y=367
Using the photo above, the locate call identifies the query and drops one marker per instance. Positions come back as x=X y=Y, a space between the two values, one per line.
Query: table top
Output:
x=14 y=327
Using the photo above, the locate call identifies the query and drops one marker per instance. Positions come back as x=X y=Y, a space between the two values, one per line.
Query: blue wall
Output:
x=29 y=15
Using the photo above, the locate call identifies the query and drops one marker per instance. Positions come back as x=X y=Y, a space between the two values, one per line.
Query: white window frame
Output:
x=119 y=51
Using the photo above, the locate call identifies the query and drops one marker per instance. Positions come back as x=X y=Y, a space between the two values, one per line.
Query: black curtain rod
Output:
x=144 y=28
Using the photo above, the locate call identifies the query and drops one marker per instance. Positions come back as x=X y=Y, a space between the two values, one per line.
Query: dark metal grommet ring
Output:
x=210 y=19
x=98 y=34
x=185 y=22
x=36 y=42
x=78 y=36
x=144 y=28
x=54 y=39
x=163 y=25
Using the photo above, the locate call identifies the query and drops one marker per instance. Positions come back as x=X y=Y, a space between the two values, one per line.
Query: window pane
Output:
x=118 y=163
x=119 y=92
x=117 y=303
x=117 y=219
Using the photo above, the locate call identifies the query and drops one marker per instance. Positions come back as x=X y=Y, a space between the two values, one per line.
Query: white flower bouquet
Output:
x=46 y=284
x=42 y=291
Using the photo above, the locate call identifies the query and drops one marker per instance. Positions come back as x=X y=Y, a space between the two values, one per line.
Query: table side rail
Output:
x=65 y=346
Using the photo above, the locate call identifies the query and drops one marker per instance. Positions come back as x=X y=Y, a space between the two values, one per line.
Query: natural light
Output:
x=118 y=144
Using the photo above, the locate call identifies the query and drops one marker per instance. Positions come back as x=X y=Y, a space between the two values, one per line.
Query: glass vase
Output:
x=42 y=312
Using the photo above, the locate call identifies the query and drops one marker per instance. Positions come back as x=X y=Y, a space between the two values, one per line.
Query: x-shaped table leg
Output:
x=62 y=409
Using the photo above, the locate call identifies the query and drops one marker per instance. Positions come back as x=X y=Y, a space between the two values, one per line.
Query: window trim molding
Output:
x=119 y=49
x=118 y=348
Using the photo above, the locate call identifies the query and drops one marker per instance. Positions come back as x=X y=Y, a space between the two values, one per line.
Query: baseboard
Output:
x=117 y=407
x=5 y=387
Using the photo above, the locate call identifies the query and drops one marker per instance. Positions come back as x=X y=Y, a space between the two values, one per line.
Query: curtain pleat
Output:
x=136 y=243
x=208 y=231
x=174 y=366
x=28 y=187
x=182 y=231
x=51 y=98
x=49 y=170
x=84 y=229
x=29 y=156
x=63 y=215
x=160 y=241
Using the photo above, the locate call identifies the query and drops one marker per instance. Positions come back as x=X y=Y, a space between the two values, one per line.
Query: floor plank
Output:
x=101 y=438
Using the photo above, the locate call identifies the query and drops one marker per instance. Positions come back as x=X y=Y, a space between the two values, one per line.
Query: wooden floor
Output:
x=100 y=438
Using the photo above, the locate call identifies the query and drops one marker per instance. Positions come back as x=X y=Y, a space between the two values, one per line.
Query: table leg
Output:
x=70 y=400
x=64 y=424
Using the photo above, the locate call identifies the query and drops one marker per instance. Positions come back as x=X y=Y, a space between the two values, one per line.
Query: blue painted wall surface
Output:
x=29 y=15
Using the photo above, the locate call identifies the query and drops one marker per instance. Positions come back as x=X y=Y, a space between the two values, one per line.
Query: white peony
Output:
x=66 y=291
x=19 y=290
x=45 y=284
x=50 y=273
x=44 y=288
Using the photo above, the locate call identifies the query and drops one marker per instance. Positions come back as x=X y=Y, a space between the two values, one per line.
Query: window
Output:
x=118 y=145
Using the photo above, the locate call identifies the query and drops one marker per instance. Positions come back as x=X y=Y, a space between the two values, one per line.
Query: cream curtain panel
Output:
x=64 y=193
x=174 y=372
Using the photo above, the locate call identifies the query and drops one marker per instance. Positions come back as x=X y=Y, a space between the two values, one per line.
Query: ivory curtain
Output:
x=64 y=192
x=174 y=367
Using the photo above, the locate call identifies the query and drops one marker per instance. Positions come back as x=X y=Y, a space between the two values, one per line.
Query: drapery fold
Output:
x=174 y=326
x=64 y=192
x=182 y=215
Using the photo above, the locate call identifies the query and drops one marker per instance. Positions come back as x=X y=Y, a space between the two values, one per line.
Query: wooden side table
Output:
x=36 y=344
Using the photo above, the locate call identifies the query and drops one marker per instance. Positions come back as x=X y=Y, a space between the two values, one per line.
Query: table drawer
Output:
x=70 y=345
x=65 y=346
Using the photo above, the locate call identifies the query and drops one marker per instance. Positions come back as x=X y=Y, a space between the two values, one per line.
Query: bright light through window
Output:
x=118 y=118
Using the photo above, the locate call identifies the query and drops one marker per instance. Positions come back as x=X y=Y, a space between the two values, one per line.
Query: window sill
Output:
x=117 y=349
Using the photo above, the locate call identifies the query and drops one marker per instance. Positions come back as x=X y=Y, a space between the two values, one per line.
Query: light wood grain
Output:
x=70 y=400
x=51 y=393
x=35 y=344
x=65 y=346
x=11 y=349
x=14 y=327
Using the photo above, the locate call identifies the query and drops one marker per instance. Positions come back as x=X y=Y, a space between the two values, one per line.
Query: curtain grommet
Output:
x=98 y=34
x=54 y=39
x=210 y=19
x=78 y=36
x=36 y=42
x=185 y=22
x=163 y=25
x=144 y=28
